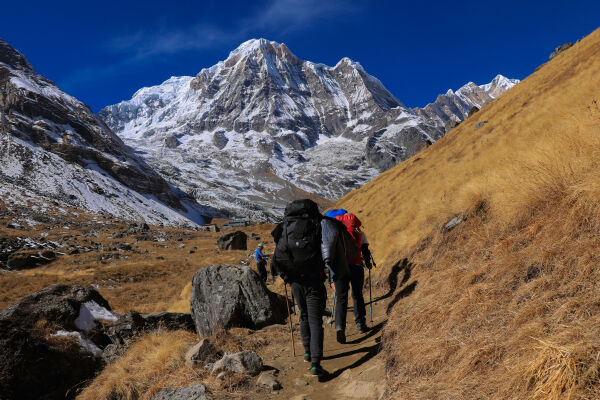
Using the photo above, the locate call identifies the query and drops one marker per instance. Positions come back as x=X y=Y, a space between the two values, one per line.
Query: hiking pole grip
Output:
x=287 y=302
x=371 y=297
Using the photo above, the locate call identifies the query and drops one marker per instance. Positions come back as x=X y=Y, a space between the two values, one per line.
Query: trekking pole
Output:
x=290 y=317
x=370 y=298
x=332 y=310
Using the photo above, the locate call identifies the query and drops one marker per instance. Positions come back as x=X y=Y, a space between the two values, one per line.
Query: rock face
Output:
x=50 y=343
x=54 y=146
x=196 y=392
x=245 y=362
x=225 y=296
x=254 y=130
x=237 y=240
x=560 y=49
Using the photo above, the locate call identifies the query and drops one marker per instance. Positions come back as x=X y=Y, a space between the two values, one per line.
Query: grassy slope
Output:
x=506 y=305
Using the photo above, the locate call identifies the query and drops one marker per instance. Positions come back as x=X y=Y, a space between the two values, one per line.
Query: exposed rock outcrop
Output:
x=237 y=240
x=225 y=296
x=55 y=146
x=50 y=342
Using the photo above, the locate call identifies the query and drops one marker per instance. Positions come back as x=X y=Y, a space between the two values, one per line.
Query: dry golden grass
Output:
x=158 y=280
x=151 y=364
x=156 y=361
x=507 y=304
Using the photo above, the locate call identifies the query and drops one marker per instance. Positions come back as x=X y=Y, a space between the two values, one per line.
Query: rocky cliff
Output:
x=54 y=146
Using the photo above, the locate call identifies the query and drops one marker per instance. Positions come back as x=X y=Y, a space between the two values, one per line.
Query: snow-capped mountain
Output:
x=456 y=105
x=253 y=131
x=53 y=146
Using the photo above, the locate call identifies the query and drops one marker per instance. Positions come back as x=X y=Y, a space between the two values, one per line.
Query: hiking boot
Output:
x=307 y=357
x=362 y=327
x=340 y=336
x=318 y=371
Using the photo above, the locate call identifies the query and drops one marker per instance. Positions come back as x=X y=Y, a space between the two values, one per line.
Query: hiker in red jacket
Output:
x=357 y=274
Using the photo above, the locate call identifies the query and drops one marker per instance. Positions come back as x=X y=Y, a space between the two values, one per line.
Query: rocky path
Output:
x=356 y=370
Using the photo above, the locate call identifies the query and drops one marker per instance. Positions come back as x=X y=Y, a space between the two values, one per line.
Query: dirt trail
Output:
x=356 y=371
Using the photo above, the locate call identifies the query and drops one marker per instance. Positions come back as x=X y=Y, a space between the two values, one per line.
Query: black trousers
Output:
x=357 y=280
x=311 y=298
x=262 y=270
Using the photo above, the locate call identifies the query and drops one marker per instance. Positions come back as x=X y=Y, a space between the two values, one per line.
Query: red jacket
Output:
x=353 y=225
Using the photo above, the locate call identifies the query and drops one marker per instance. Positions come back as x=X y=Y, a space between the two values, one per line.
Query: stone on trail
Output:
x=196 y=392
x=233 y=241
x=245 y=362
x=225 y=296
x=201 y=353
x=268 y=380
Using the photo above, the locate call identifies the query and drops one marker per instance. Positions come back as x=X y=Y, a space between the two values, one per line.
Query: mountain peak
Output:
x=13 y=58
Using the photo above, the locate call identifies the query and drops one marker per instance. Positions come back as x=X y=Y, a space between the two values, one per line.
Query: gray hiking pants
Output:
x=311 y=298
x=357 y=280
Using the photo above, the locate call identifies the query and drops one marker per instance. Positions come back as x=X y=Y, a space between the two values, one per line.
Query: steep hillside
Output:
x=505 y=303
x=245 y=133
x=54 y=146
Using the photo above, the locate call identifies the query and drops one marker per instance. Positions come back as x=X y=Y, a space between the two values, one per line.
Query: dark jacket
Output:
x=333 y=248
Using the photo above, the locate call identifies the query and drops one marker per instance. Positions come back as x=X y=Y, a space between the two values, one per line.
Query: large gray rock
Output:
x=237 y=240
x=50 y=343
x=196 y=392
x=245 y=362
x=225 y=296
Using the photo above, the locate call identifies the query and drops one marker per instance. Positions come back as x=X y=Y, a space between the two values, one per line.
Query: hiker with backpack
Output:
x=298 y=261
x=261 y=262
x=337 y=247
x=356 y=277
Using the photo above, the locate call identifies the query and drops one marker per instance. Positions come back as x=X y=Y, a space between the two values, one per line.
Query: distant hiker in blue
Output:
x=261 y=262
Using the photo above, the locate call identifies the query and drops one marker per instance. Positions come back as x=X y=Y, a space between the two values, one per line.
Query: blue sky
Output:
x=103 y=52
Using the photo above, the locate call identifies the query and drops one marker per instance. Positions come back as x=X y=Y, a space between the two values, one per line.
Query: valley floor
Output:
x=149 y=269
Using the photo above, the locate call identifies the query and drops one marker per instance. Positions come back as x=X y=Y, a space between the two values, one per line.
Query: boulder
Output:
x=451 y=124
x=245 y=362
x=134 y=323
x=50 y=343
x=27 y=260
x=201 y=353
x=196 y=392
x=472 y=111
x=233 y=241
x=66 y=307
x=225 y=296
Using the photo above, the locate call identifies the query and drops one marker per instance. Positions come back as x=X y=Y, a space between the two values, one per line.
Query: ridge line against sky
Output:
x=103 y=55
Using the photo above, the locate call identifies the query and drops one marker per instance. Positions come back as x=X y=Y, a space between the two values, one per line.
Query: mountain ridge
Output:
x=55 y=147
x=325 y=130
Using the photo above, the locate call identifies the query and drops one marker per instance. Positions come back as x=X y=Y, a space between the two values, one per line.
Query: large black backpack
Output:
x=298 y=249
